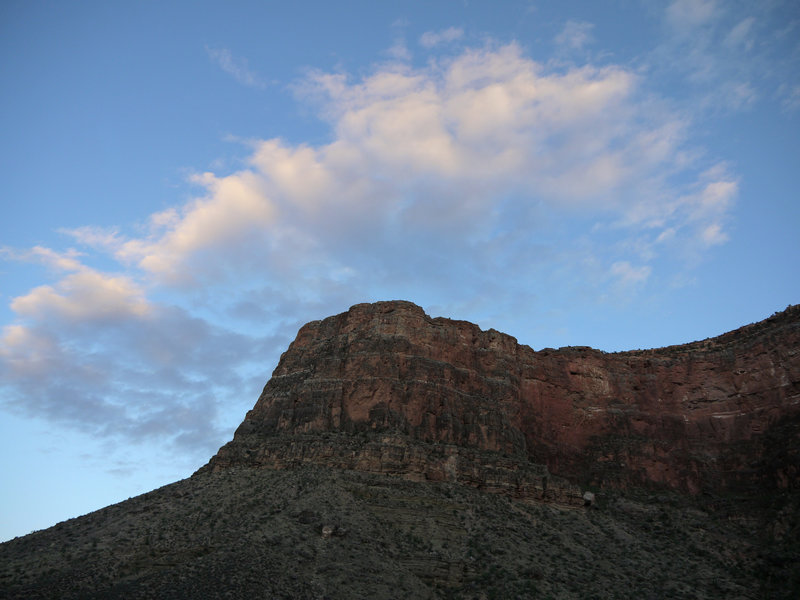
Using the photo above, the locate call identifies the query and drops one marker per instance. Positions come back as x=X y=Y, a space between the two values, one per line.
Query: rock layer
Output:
x=386 y=388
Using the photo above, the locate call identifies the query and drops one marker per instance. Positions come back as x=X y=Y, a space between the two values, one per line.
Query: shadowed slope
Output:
x=259 y=533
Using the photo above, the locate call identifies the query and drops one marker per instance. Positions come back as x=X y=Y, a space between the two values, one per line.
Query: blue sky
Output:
x=184 y=184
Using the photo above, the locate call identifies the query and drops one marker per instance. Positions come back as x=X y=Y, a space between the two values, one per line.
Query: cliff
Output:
x=385 y=388
x=360 y=473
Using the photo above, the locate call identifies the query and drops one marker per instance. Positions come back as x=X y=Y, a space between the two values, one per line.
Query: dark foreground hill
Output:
x=319 y=533
x=393 y=455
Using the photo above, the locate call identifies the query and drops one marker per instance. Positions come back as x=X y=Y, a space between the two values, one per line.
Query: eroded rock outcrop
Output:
x=385 y=388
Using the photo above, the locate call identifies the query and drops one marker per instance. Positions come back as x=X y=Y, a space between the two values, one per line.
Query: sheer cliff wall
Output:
x=386 y=388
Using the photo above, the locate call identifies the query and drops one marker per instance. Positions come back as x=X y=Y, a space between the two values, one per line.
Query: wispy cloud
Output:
x=61 y=261
x=399 y=50
x=429 y=39
x=688 y=14
x=727 y=57
x=628 y=275
x=234 y=66
x=741 y=36
x=790 y=97
x=575 y=35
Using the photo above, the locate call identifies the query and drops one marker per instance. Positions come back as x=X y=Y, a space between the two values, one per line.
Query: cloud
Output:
x=424 y=148
x=726 y=57
x=709 y=208
x=742 y=34
x=483 y=171
x=85 y=295
x=628 y=275
x=235 y=206
x=93 y=354
x=235 y=67
x=575 y=35
x=68 y=260
x=683 y=14
x=399 y=51
x=713 y=235
x=695 y=220
x=487 y=114
x=463 y=151
x=429 y=39
x=790 y=97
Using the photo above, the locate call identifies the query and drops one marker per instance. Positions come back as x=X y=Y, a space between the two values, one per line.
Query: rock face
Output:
x=385 y=388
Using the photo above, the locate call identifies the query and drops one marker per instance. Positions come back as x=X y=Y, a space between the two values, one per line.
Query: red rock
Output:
x=383 y=387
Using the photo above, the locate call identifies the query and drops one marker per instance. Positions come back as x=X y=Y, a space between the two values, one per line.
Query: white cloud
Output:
x=85 y=295
x=575 y=35
x=482 y=125
x=713 y=235
x=418 y=147
x=487 y=114
x=434 y=151
x=429 y=39
x=235 y=206
x=235 y=67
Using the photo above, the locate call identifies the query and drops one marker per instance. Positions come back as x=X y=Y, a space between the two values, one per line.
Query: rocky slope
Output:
x=312 y=533
x=385 y=388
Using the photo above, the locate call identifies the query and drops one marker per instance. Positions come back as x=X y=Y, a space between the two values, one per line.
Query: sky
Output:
x=184 y=184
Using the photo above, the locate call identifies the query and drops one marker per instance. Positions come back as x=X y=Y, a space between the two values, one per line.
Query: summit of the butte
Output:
x=395 y=455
